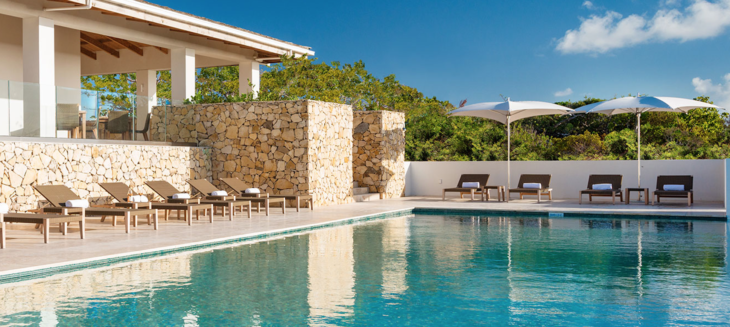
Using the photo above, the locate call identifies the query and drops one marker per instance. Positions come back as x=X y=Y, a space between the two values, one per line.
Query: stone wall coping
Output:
x=91 y=141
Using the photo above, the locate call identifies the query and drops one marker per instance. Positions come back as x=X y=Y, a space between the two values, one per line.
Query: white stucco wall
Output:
x=569 y=177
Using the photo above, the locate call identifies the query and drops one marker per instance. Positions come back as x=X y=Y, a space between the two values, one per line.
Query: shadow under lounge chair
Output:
x=686 y=181
x=542 y=179
x=240 y=187
x=167 y=191
x=206 y=188
x=614 y=180
x=120 y=192
x=42 y=219
x=482 y=179
x=57 y=195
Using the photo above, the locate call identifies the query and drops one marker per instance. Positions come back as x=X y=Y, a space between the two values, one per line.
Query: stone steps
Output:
x=360 y=190
x=366 y=197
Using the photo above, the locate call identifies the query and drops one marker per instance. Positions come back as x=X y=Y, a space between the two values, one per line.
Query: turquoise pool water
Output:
x=422 y=270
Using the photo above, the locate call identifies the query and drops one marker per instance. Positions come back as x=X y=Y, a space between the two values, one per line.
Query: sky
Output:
x=526 y=50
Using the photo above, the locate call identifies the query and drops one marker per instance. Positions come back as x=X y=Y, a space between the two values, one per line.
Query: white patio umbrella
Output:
x=509 y=111
x=638 y=105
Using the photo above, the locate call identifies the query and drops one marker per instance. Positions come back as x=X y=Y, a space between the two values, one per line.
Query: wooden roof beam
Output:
x=128 y=45
x=91 y=40
x=88 y=53
x=163 y=50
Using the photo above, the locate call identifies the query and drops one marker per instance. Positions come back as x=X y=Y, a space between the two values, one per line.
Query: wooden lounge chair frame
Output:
x=42 y=219
x=239 y=187
x=543 y=179
x=614 y=180
x=686 y=180
x=482 y=179
x=57 y=195
x=120 y=191
x=206 y=188
x=165 y=190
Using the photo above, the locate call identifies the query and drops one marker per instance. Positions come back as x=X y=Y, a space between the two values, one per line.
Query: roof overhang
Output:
x=267 y=48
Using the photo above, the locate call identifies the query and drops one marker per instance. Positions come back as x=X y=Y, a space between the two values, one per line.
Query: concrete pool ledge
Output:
x=26 y=257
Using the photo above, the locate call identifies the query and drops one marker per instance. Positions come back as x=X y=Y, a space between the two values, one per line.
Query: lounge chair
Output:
x=542 y=180
x=469 y=178
x=41 y=219
x=239 y=187
x=206 y=189
x=167 y=192
x=57 y=195
x=683 y=183
x=120 y=192
x=614 y=189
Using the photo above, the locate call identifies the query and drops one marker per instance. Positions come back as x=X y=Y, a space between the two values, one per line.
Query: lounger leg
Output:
x=258 y=208
x=538 y=196
x=443 y=196
x=189 y=217
x=580 y=197
x=62 y=228
x=311 y=203
x=82 y=224
x=472 y=195
x=167 y=214
x=297 y=199
x=613 y=197
x=689 y=200
x=157 y=219
x=2 y=234
x=114 y=221
x=46 y=232
x=283 y=207
x=134 y=220
x=230 y=211
x=127 y=218
x=211 y=214
x=266 y=204
x=249 y=211
x=197 y=214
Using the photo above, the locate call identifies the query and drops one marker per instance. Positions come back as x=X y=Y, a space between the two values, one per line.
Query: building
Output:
x=47 y=45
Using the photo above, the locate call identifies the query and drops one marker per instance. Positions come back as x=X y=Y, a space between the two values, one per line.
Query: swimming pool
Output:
x=421 y=270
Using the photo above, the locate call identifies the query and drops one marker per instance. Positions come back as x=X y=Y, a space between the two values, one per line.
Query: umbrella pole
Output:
x=638 y=156
x=509 y=152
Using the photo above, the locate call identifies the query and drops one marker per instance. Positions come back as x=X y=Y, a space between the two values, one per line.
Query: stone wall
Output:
x=379 y=152
x=282 y=147
x=82 y=166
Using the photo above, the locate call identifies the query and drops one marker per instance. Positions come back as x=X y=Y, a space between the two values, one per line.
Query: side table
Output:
x=500 y=192
x=637 y=189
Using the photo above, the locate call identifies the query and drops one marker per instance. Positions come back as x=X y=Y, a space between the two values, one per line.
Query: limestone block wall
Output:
x=281 y=147
x=82 y=166
x=379 y=152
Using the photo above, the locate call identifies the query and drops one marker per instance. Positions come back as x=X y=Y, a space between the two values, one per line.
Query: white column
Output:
x=39 y=76
x=182 y=74
x=248 y=71
x=146 y=95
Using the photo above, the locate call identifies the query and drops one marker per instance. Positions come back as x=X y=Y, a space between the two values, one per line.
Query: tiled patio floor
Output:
x=26 y=250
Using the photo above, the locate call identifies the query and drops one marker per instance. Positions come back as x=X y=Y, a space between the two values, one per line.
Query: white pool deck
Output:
x=26 y=251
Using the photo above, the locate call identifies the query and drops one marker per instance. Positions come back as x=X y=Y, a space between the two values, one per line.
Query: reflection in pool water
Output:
x=422 y=270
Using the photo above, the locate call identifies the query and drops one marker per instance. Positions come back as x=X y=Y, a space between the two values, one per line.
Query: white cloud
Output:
x=564 y=93
x=588 y=4
x=718 y=93
x=600 y=34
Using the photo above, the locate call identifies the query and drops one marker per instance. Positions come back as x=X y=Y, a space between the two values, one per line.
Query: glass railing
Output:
x=32 y=110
